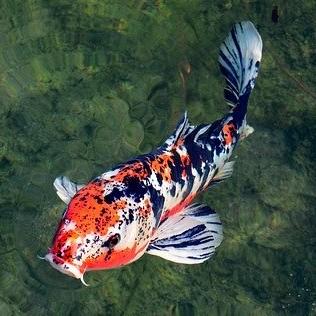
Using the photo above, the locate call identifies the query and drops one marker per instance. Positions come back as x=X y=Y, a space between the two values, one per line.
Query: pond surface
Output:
x=85 y=85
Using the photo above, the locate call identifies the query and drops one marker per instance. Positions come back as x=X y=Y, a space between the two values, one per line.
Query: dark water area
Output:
x=85 y=85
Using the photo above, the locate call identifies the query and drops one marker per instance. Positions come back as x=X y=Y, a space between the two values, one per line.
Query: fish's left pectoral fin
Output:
x=65 y=188
x=188 y=238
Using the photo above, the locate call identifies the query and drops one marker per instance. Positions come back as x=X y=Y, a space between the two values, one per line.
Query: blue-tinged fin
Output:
x=188 y=238
x=239 y=60
x=65 y=188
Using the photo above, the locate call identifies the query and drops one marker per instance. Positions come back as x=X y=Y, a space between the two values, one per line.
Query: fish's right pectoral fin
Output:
x=222 y=174
x=190 y=237
x=248 y=130
x=65 y=188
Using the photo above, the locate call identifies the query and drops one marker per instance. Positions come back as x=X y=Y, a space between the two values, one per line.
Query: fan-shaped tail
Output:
x=239 y=61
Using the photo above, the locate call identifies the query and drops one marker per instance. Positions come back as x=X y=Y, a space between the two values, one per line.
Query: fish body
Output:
x=145 y=205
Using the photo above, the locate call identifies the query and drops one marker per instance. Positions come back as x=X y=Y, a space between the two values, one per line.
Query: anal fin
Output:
x=190 y=237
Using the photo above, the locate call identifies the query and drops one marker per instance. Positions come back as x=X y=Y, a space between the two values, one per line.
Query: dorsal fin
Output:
x=183 y=128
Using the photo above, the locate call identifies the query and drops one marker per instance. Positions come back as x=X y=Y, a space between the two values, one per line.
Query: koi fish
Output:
x=145 y=205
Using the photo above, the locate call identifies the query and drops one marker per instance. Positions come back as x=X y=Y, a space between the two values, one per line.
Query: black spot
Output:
x=135 y=188
x=131 y=216
x=159 y=178
x=116 y=194
x=98 y=199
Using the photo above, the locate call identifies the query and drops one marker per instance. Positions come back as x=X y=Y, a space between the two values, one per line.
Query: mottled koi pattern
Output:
x=146 y=191
x=115 y=218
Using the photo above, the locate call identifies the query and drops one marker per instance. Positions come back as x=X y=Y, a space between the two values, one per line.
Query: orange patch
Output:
x=179 y=142
x=91 y=213
x=185 y=161
x=135 y=170
x=146 y=209
x=160 y=166
x=111 y=260
x=179 y=207
x=60 y=240
x=228 y=130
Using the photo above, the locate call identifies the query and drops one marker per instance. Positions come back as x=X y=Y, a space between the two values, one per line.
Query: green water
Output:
x=87 y=84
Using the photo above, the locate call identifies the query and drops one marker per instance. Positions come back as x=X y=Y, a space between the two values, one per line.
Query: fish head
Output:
x=95 y=233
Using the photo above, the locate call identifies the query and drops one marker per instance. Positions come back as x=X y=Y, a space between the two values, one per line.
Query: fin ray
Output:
x=224 y=173
x=181 y=131
x=190 y=237
x=65 y=188
x=239 y=61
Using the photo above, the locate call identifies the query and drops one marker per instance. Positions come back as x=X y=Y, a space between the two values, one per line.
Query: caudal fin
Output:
x=239 y=61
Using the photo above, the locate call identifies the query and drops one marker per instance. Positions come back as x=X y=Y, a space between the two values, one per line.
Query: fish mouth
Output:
x=65 y=267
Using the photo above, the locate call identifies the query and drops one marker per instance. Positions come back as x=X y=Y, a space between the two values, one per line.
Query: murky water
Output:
x=87 y=84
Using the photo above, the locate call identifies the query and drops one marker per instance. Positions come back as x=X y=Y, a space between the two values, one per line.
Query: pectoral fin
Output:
x=66 y=189
x=190 y=237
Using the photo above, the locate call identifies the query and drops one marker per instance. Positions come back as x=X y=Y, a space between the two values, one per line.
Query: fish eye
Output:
x=113 y=240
